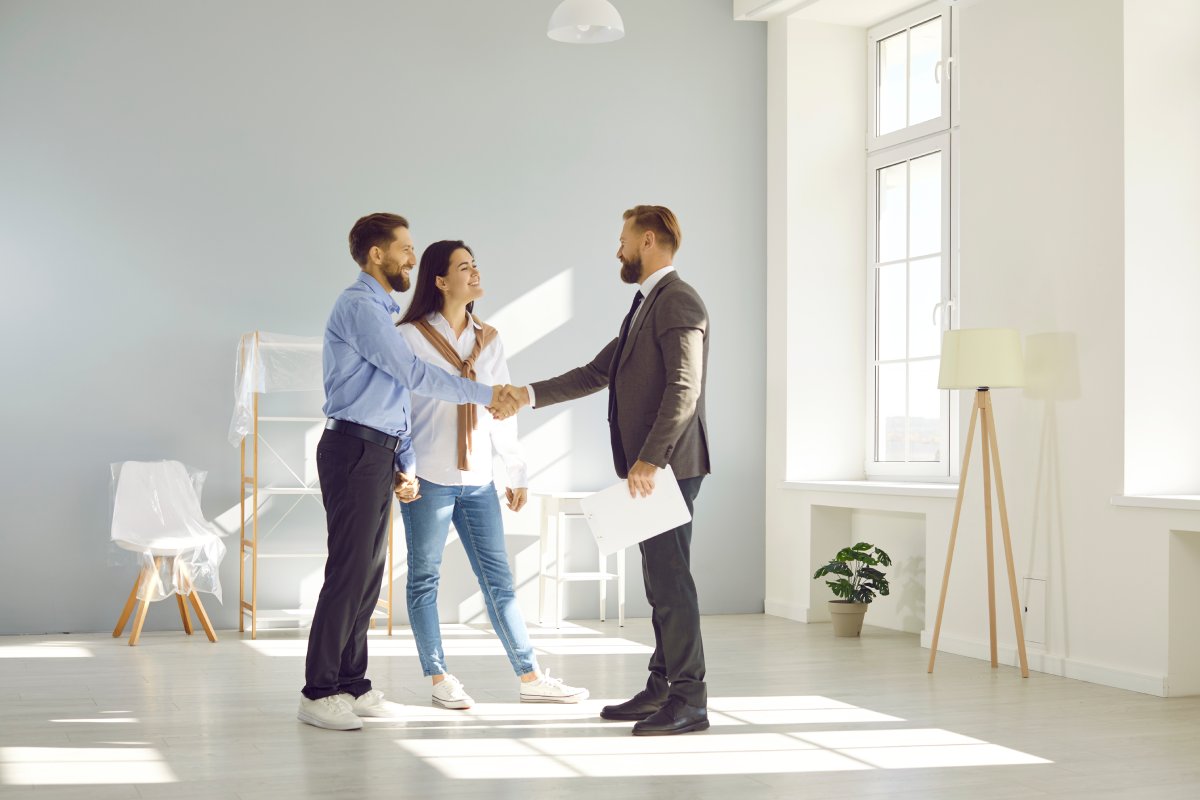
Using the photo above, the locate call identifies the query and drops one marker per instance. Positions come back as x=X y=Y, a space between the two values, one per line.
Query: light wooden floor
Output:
x=795 y=712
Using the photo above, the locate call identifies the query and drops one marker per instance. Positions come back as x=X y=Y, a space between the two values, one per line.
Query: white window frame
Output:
x=938 y=134
x=888 y=29
x=938 y=142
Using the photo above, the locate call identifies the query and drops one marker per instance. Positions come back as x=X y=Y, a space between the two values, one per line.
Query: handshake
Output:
x=507 y=400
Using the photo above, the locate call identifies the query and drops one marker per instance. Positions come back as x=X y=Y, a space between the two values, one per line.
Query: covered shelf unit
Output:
x=268 y=363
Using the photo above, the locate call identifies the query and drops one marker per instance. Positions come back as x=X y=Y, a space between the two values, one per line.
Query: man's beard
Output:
x=399 y=283
x=631 y=269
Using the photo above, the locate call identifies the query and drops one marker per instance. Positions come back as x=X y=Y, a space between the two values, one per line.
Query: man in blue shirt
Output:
x=364 y=455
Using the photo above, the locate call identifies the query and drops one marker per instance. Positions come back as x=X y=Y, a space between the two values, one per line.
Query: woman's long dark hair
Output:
x=435 y=263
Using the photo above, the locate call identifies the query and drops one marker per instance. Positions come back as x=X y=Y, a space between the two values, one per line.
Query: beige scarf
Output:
x=467 y=413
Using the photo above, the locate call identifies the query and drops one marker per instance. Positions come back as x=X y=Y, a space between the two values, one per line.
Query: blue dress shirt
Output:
x=369 y=369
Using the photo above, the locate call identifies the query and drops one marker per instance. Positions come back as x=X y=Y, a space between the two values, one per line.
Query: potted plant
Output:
x=856 y=586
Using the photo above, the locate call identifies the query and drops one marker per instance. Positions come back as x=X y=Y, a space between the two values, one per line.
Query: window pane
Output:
x=924 y=93
x=889 y=425
x=891 y=298
x=925 y=198
x=924 y=293
x=892 y=96
x=926 y=431
x=893 y=212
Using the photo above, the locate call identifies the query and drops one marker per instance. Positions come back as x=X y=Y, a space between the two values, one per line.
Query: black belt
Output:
x=363 y=432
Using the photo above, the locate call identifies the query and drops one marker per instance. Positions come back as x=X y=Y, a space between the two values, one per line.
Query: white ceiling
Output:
x=857 y=13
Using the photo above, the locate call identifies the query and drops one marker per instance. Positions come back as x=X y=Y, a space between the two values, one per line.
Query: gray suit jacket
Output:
x=659 y=380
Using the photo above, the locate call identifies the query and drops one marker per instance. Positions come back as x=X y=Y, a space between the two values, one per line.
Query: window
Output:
x=910 y=246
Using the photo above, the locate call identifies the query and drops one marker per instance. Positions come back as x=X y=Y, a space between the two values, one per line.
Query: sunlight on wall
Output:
x=535 y=314
x=546 y=449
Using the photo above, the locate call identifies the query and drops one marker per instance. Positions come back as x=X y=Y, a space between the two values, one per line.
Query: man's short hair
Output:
x=373 y=230
x=661 y=221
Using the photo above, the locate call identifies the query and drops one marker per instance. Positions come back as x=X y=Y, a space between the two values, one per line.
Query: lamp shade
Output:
x=977 y=358
x=585 y=22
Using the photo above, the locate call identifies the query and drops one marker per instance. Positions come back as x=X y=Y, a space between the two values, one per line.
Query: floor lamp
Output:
x=983 y=359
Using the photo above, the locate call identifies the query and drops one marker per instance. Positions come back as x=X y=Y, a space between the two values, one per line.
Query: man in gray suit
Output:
x=655 y=373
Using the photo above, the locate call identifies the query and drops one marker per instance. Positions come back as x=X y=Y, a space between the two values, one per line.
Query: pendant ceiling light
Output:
x=585 y=22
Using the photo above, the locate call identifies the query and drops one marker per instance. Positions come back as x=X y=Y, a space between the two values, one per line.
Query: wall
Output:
x=1058 y=217
x=1162 y=246
x=174 y=175
x=815 y=286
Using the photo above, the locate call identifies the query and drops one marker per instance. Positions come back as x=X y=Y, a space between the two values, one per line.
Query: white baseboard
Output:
x=791 y=611
x=1054 y=665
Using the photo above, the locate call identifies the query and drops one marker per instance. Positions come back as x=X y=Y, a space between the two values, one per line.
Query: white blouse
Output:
x=435 y=422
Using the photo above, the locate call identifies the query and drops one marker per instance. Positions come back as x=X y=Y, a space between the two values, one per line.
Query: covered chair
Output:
x=156 y=514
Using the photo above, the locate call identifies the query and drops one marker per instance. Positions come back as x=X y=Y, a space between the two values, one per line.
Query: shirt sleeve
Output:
x=367 y=327
x=406 y=456
x=504 y=432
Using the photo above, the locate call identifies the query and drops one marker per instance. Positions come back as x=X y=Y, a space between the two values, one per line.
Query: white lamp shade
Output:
x=977 y=358
x=585 y=22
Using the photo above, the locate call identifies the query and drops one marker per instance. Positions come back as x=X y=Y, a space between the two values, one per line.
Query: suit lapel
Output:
x=643 y=313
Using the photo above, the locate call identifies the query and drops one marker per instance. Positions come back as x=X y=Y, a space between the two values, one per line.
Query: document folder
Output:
x=618 y=520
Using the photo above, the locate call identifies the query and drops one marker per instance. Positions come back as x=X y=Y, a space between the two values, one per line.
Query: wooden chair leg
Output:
x=185 y=578
x=125 y=612
x=183 y=614
x=138 y=621
x=203 y=617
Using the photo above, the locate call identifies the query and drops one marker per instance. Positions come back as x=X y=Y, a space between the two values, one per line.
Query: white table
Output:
x=556 y=509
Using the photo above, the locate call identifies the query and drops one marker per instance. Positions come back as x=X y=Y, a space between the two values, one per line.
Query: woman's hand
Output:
x=517 y=498
x=408 y=488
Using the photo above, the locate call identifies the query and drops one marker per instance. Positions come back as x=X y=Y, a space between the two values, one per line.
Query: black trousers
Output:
x=357 y=481
x=677 y=665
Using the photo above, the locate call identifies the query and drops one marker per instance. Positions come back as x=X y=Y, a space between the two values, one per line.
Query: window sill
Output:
x=1186 y=502
x=903 y=488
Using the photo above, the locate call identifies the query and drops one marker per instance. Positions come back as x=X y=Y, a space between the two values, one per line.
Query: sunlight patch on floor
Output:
x=44 y=650
x=612 y=752
x=22 y=766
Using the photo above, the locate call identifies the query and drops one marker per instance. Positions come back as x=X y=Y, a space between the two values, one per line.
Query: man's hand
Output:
x=641 y=478
x=507 y=400
x=408 y=488
x=517 y=498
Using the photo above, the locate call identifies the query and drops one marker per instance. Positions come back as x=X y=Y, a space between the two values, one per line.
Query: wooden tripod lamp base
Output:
x=979 y=359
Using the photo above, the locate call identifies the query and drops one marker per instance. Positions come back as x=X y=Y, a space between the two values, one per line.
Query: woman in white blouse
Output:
x=454 y=446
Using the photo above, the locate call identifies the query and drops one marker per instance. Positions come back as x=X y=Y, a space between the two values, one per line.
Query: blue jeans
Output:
x=475 y=511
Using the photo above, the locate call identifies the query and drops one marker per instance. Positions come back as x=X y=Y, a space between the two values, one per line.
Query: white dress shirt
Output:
x=435 y=422
x=647 y=286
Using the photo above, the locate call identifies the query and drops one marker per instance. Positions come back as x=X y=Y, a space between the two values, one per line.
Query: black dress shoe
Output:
x=640 y=706
x=675 y=717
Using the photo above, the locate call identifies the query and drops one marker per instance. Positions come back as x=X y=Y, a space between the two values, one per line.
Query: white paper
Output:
x=618 y=520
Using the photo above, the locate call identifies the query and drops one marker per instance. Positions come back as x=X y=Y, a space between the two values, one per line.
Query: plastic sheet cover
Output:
x=157 y=518
x=271 y=362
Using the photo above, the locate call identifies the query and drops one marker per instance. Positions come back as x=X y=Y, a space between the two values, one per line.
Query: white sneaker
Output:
x=333 y=712
x=449 y=693
x=551 y=690
x=372 y=704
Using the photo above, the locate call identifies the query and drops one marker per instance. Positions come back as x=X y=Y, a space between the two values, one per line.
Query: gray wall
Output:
x=175 y=174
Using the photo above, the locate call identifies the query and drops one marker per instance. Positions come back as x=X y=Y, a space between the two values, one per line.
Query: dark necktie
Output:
x=612 y=374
